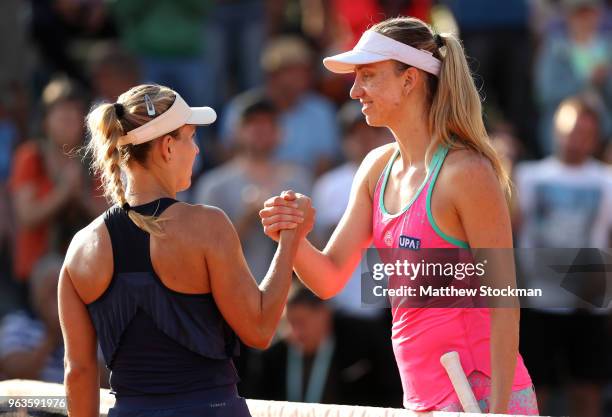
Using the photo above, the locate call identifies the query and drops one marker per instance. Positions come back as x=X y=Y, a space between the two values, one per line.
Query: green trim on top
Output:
x=381 y=198
x=449 y=239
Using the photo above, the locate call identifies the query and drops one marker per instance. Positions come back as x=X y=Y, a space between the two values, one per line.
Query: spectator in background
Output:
x=16 y=68
x=52 y=194
x=566 y=201
x=510 y=150
x=56 y=24
x=326 y=359
x=353 y=17
x=240 y=186
x=309 y=135
x=496 y=39
x=235 y=33
x=31 y=345
x=167 y=37
x=112 y=71
x=331 y=192
x=572 y=61
x=8 y=141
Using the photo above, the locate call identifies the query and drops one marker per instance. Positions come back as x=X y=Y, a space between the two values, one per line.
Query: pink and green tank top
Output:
x=421 y=335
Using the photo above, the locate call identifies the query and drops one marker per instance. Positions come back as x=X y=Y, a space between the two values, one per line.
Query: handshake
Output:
x=288 y=211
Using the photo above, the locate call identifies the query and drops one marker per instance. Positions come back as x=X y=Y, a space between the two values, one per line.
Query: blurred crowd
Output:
x=544 y=69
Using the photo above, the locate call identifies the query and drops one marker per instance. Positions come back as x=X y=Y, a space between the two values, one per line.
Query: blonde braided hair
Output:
x=106 y=127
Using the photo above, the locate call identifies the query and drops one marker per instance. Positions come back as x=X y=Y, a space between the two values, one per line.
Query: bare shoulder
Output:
x=89 y=259
x=380 y=154
x=468 y=178
x=374 y=163
x=469 y=169
x=203 y=226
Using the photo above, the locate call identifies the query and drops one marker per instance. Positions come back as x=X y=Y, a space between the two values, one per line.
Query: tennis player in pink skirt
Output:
x=440 y=185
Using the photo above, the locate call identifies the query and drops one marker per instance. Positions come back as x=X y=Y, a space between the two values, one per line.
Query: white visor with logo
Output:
x=177 y=115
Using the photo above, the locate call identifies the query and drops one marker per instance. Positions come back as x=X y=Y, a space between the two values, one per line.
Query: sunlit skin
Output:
x=467 y=203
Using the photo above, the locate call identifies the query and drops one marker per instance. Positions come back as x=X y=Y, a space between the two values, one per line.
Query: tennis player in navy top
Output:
x=162 y=286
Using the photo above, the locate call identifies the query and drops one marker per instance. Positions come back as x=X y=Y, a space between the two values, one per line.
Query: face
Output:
x=292 y=80
x=584 y=20
x=64 y=124
x=308 y=326
x=381 y=90
x=259 y=134
x=182 y=156
x=579 y=141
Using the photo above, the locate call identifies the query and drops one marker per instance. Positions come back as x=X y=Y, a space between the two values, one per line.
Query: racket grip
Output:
x=451 y=362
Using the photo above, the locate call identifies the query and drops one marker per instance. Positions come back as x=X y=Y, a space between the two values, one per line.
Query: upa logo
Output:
x=408 y=242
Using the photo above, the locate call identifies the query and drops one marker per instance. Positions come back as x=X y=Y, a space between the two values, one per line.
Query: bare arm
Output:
x=252 y=311
x=81 y=365
x=485 y=218
x=326 y=272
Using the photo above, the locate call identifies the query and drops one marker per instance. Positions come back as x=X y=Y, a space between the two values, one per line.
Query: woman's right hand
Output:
x=287 y=211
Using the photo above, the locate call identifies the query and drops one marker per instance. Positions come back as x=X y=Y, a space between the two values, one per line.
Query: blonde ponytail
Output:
x=456 y=109
x=105 y=128
x=455 y=117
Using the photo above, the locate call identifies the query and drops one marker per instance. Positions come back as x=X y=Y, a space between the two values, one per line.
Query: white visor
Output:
x=177 y=115
x=374 y=47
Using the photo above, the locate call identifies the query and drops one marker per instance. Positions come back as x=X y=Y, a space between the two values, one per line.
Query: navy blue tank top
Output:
x=156 y=340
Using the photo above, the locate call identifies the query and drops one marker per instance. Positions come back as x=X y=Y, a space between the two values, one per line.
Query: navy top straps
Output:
x=156 y=340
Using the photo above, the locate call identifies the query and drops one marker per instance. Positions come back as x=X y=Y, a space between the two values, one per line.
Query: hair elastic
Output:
x=119 y=110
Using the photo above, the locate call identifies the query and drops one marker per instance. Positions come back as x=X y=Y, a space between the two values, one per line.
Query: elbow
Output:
x=76 y=374
x=258 y=341
x=325 y=293
x=259 y=336
x=506 y=314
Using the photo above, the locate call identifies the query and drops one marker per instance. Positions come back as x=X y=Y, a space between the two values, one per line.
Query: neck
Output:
x=145 y=186
x=411 y=132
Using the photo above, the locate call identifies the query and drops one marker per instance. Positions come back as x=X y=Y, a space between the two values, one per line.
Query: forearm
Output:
x=317 y=271
x=504 y=354
x=82 y=391
x=275 y=286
